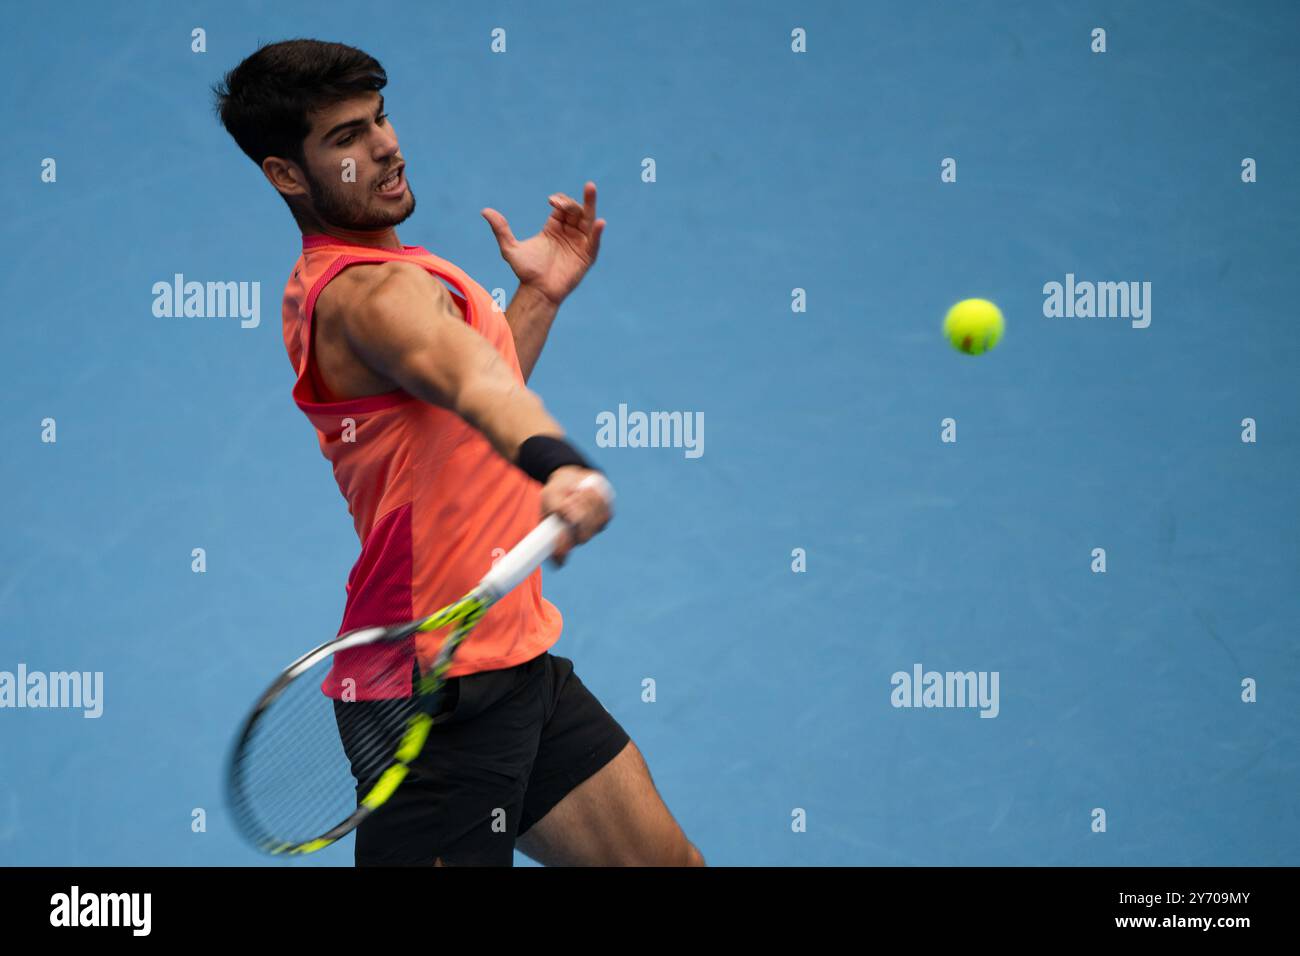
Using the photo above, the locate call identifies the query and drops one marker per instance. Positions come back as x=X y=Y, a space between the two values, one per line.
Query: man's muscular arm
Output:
x=529 y=316
x=402 y=324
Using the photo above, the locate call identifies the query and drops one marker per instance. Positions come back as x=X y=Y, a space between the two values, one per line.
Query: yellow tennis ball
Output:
x=973 y=326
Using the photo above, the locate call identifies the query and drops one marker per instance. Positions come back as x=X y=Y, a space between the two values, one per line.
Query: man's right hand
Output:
x=585 y=510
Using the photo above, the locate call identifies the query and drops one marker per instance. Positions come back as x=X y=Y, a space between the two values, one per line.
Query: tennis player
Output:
x=415 y=384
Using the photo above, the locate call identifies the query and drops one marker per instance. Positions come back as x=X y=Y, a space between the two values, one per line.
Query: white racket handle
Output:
x=538 y=545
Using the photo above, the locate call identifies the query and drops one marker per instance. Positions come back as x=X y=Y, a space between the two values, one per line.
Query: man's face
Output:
x=355 y=173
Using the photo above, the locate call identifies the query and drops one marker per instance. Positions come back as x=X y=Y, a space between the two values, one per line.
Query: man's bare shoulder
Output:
x=358 y=285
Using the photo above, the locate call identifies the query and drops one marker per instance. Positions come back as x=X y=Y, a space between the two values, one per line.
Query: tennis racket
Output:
x=291 y=786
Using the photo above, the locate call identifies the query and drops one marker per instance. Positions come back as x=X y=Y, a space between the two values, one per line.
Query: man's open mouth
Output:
x=392 y=182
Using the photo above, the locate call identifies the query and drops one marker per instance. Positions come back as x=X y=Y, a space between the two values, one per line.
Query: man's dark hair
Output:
x=265 y=102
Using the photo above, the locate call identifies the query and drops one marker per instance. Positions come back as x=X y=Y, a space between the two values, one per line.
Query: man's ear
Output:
x=285 y=175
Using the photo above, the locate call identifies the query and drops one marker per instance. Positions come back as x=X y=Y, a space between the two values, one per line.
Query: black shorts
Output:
x=506 y=746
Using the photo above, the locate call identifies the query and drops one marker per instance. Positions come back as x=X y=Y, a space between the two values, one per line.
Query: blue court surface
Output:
x=824 y=537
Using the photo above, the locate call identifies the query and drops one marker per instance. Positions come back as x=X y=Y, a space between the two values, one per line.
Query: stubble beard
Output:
x=349 y=208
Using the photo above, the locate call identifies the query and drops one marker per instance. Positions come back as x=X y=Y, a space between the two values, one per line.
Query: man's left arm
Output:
x=529 y=316
x=549 y=266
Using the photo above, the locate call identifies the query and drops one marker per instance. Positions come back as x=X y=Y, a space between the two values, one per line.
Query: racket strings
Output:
x=296 y=779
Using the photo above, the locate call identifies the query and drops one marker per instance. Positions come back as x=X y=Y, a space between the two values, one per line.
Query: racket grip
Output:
x=538 y=545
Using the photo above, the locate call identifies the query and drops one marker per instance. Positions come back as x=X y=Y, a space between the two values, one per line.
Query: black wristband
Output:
x=542 y=454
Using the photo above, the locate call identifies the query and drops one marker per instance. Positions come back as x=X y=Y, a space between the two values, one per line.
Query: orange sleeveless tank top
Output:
x=432 y=501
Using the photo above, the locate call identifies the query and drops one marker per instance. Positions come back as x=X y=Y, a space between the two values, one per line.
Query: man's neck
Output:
x=385 y=238
x=377 y=239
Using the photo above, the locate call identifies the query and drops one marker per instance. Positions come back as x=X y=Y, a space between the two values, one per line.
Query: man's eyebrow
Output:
x=352 y=122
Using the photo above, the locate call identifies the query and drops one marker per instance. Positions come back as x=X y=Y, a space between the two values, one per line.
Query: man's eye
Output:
x=382 y=118
x=346 y=139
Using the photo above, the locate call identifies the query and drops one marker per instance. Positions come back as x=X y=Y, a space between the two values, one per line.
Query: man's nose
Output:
x=385 y=142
